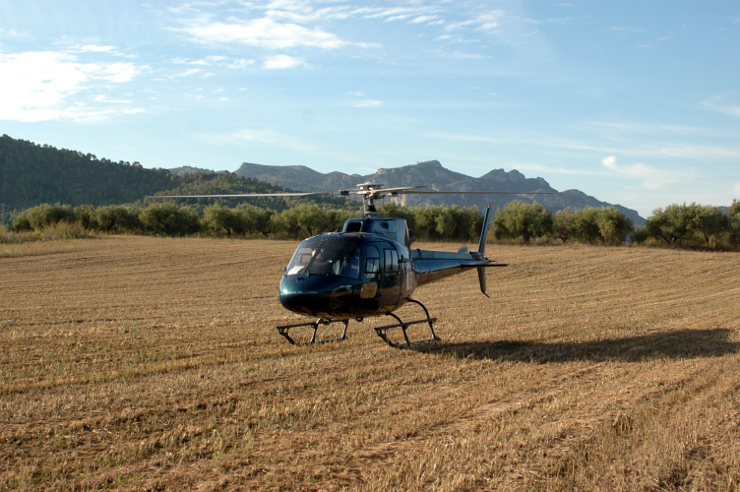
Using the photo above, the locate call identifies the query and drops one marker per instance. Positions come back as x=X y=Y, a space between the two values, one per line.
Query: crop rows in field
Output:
x=144 y=363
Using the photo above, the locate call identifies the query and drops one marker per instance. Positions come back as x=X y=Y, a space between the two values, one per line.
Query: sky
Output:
x=632 y=102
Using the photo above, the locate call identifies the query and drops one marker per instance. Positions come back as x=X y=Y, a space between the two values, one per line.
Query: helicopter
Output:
x=367 y=269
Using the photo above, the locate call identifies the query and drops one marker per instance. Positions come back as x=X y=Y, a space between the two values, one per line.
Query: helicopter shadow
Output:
x=682 y=344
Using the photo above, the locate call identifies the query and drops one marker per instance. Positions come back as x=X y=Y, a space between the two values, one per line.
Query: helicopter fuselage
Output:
x=357 y=273
x=347 y=275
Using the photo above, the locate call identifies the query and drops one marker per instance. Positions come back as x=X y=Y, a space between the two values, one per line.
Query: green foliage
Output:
x=44 y=215
x=614 y=226
x=257 y=220
x=244 y=220
x=733 y=223
x=677 y=225
x=586 y=225
x=433 y=223
x=709 y=222
x=219 y=221
x=522 y=220
x=86 y=216
x=118 y=218
x=31 y=174
x=436 y=223
x=563 y=225
x=303 y=221
x=671 y=224
x=230 y=184
x=170 y=220
x=694 y=226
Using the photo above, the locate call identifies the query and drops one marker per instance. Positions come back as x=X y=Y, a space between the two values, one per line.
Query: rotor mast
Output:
x=374 y=191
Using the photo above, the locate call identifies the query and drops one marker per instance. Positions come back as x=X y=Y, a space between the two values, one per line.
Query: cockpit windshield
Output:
x=326 y=257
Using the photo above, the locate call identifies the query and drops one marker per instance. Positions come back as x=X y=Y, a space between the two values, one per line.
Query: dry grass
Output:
x=153 y=364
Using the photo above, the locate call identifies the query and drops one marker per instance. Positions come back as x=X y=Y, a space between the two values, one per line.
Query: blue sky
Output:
x=633 y=102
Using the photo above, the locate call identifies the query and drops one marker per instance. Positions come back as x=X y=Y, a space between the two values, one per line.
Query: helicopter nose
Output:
x=303 y=295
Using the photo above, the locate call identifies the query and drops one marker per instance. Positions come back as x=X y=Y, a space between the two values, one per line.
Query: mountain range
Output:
x=31 y=174
x=433 y=175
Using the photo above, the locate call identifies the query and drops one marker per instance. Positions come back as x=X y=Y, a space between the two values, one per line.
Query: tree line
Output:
x=434 y=223
x=690 y=226
x=683 y=225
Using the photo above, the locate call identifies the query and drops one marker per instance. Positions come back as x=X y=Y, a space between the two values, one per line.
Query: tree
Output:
x=118 y=218
x=220 y=220
x=169 y=219
x=614 y=226
x=709 y=222
x=563 y=225
x=733 y=222
x=256 y=219
x=468 y=223
x=435 y=221
x=86 y=216
x=672 y=224
x=519 y=219
x=302 y=221
x=42 y=216
x=586 y=225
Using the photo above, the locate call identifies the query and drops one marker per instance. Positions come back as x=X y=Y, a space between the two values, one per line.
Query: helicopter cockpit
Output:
x=322 y=256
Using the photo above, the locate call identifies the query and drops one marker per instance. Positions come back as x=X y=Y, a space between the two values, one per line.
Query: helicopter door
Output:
x=390 y=285
x=370 y=273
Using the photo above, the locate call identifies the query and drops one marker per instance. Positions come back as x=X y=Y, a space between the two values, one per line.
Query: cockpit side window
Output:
x=372 y=261
x=391 y=260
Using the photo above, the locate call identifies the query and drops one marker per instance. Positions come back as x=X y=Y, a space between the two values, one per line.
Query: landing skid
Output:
x=283 y=330
x=380 y=330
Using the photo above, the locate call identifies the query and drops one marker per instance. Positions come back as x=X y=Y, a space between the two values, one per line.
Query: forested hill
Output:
x=31 y=174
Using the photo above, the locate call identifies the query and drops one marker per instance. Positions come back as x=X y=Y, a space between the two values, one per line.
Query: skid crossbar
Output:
x=381 y=330
x=283 y=330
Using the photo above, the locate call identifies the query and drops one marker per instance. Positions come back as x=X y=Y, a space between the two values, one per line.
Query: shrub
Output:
x=44 y=215
x=169 y=219
x=118 y=219
x=524 y=220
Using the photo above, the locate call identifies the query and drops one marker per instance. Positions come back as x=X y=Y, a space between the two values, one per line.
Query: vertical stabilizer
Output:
x=484 y=234
x=482 y=251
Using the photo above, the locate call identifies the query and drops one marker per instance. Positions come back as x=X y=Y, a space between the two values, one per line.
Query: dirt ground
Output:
x=138 y=363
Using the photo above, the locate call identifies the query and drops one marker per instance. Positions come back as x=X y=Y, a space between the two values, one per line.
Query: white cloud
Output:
x=423 y=19
x=119 y=72
x=265 y=33
x=652 y=178
x=610 y=162
x=368 y=103
x=489 y=21
x=39 y=86
x=700 y=152
x=189 y=72
x=725 y=103
x=94 y=48
x=217 y=61
x=279 y=62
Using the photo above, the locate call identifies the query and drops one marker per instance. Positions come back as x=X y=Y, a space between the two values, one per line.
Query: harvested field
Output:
x=138 y=363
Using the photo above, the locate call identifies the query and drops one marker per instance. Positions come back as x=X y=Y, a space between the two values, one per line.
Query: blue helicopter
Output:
x=368 y=268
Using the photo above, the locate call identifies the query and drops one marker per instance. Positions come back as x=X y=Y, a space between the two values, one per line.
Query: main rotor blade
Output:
x=243 y=195
x=478 y=193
